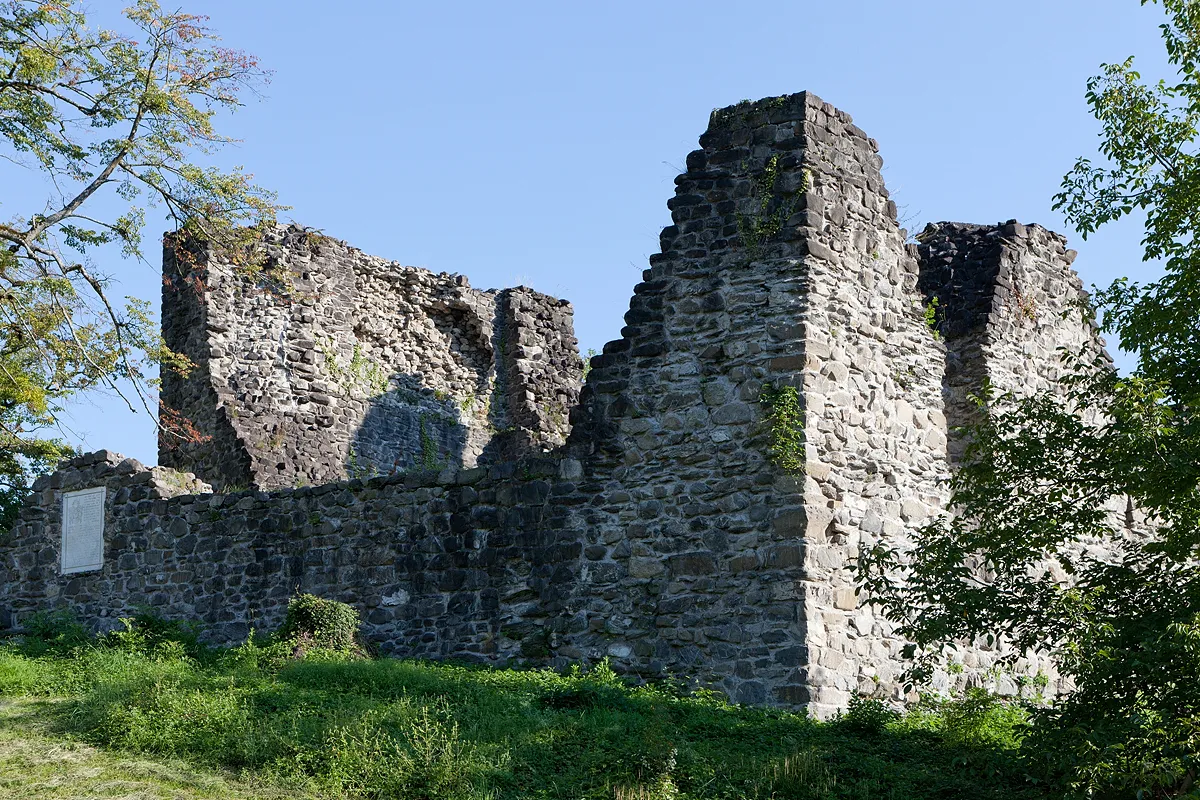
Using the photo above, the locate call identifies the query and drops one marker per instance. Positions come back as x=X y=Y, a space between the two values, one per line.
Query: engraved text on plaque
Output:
x=83 y=530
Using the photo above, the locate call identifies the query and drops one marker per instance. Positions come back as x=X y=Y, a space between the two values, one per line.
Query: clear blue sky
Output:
x=536 y=143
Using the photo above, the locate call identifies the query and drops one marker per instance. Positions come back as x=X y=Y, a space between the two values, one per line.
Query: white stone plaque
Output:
x=83 y=530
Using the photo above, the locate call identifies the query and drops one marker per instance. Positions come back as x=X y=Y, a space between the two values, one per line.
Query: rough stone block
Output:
x=698 y=563
x=645 y=567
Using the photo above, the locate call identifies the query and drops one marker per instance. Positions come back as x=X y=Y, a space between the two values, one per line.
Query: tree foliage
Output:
x=113 y=123
x=1048 y=550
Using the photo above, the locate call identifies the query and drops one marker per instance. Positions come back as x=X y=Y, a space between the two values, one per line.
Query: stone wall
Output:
x=1008 y=306
x=872 y=379
x=696 y=555
x=463 y=564
x=664 y=529
x=316 y=362
x=541 y=372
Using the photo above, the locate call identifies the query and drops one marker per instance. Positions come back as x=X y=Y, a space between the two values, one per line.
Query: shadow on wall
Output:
x=408 y=428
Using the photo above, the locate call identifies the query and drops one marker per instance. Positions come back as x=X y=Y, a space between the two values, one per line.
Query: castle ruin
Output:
x=424 y=451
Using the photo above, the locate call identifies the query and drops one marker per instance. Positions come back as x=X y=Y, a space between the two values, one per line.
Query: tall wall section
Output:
x=316 y=362
x=694 y=552
x=1008 y=305
x=784 y=268
x=875 y=455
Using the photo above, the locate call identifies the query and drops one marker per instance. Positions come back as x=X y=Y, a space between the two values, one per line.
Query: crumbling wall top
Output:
x=316 y=362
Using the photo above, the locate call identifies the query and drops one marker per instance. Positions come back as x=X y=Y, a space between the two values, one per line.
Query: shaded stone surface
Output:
x=316 y=362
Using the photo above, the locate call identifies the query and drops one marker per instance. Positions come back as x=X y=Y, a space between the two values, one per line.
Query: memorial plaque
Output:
x=83 y=530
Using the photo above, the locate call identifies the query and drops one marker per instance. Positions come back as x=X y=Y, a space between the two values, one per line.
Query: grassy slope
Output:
x=254 y=723
x=37 y=764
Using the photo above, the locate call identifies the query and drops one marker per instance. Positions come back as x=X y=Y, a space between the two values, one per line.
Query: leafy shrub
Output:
x=54 y=631
x=162 y=638
x=599 y=688
x=868 y=715
x=981 y=719
x=314 y=622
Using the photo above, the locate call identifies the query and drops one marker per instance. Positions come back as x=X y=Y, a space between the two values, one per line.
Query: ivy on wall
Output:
x=773 y=209
x=785 y=421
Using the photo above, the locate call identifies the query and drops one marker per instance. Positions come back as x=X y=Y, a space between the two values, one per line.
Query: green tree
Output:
x=1038 y=485
x=113 y=123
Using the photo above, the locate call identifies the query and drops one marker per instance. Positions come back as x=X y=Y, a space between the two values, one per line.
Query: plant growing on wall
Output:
x=430 y=454
x=587 y=364
x=784 y=419
x=112 y=121
x=931 y=317
x=773 y=209
x=361 y=373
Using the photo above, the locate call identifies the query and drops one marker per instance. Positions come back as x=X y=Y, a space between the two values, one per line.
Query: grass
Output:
x=151 y=716
x=38 y=764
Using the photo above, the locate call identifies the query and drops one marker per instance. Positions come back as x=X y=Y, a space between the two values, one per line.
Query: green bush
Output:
x=55 y=631
x=314 y=622
x=148 y=633
x=868 y=715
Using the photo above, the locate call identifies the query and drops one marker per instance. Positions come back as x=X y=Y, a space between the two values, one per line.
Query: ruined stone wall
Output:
x=695 y=558
x=461 y=564
x=666 y=530
x=316 y=362
x=540 y=374
x=875 y=426
x=1008 y=306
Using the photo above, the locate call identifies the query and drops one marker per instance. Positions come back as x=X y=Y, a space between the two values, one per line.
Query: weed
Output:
x=931 y=317
x=313 y=621
x=276 y=440
x=430 y=455
x=801 y=775
x=785 y=419
x=773 y=210
x=360 y=373
x=587 y=363
x=1025 y=307
x=868 y=715
x=356 y=470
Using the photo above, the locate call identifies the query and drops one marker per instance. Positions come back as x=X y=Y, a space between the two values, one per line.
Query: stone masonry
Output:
x=495 y=515
x=1004 y=300
x=315 y=362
